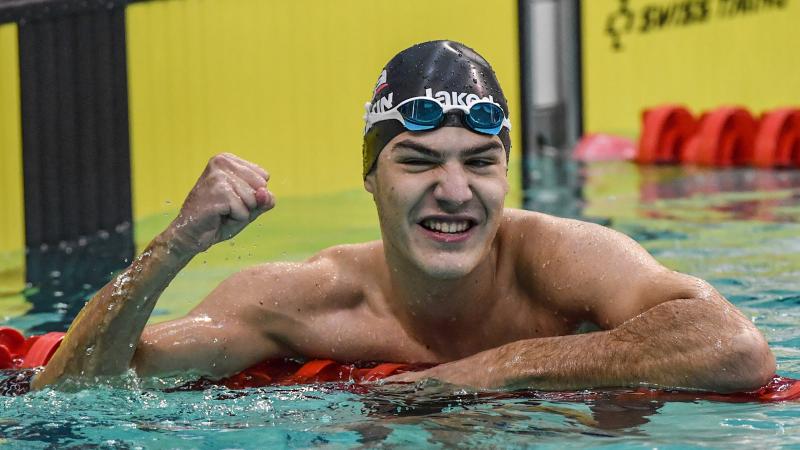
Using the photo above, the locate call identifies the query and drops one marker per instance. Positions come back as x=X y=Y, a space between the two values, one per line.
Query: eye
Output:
x=481 y=162
x=415 y=162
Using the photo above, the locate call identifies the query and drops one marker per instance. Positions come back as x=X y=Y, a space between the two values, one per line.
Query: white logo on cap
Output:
x=454 y=98
x=382 y=105
x=446 y=98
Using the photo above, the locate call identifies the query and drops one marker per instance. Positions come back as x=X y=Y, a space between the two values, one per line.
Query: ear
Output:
x=369 y=182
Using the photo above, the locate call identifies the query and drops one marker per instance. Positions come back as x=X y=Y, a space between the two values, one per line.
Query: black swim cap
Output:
x=449 y=71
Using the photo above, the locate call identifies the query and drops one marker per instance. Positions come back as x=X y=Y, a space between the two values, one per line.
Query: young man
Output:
x=493 y=296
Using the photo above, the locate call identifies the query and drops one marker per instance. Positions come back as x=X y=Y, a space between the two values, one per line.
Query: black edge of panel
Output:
x=121 y=120
x=522 y=34
x=76 y=154
x=579 y=65
x=87 y=120
x=32 y=10
x=104 y=97
x=66 y=123
x=50 y=156
x=31 y=140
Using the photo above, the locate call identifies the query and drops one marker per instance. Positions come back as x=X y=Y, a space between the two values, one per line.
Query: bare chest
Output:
x=361 y=334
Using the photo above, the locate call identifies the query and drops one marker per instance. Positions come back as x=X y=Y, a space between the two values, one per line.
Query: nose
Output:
x=453 y=189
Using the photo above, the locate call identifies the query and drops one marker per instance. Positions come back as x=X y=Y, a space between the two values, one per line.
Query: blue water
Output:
x=302 y=417
x=739 y=229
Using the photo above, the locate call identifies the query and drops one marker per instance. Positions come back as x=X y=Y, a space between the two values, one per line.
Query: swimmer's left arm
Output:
x=660 y=327
x=700 y=344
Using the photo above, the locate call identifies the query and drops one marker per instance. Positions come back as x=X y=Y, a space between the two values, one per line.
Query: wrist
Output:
x=173 y=248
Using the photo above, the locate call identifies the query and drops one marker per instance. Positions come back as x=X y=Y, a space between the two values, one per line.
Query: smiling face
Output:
x=440 y=198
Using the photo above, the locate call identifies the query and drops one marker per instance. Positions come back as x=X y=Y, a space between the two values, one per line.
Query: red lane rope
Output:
x=16 y=352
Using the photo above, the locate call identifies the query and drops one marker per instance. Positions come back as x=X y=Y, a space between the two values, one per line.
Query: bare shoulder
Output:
x=277 y=307
x=559 y=229
x=334 y=278
x=545 y=239
x=347 y=271
x=589 y=270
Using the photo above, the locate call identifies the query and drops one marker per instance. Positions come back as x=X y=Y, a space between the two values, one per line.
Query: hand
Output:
x=456 y=373
x=407 y=377
x=230 y=193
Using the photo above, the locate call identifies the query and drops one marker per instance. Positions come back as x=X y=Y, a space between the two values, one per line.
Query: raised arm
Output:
x=103 y=338
x=659 y=327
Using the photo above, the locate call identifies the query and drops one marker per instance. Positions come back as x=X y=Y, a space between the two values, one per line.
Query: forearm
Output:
x=689 y=343
x=103 y=337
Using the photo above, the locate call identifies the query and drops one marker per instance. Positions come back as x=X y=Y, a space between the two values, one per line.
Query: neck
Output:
x=435 y=310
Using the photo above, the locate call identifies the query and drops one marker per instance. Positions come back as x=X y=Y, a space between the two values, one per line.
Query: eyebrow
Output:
x=416 y=146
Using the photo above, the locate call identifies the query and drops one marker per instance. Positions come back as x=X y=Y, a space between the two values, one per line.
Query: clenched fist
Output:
x=229 y=195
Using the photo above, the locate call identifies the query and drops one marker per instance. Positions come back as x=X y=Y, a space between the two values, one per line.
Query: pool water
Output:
x=737 y=228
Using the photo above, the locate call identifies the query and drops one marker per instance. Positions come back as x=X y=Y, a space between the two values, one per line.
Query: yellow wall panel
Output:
x=716 y=52
x=281 y=83
x=12 y=225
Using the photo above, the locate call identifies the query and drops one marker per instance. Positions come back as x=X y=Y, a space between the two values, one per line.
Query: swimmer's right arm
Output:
x=105 y=335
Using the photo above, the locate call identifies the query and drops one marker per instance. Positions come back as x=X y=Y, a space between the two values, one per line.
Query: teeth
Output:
x=446 y=226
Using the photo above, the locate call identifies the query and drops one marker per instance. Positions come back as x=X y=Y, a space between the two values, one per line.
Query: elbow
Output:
x=749 y=364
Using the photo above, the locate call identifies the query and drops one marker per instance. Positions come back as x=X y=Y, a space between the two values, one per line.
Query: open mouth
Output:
x=447 y=226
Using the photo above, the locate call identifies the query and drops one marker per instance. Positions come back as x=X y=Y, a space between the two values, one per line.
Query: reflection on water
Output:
x=553 y=183
x=299 y=417
x=621 y=189
x=611 y=410
x=609 y=190
x=326 y=413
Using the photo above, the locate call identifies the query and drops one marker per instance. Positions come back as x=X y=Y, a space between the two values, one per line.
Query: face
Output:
x=440 y=198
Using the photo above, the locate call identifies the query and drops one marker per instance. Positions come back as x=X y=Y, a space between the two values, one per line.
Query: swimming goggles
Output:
x=426 y=113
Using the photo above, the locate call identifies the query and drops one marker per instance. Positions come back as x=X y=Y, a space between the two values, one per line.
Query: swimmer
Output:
x=495 y=297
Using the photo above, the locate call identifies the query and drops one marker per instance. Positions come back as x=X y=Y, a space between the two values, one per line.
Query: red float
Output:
x=725 y=138
x=40 y=349
x=777 y=143
x=665 y=132
x=690 y=153
x=16 y=352
x=37 y=350
x=11 y=339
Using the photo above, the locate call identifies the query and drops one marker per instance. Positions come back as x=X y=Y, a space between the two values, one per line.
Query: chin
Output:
x=448 y=266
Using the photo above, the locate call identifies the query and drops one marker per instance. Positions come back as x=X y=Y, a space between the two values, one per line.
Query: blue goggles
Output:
x=426 y=113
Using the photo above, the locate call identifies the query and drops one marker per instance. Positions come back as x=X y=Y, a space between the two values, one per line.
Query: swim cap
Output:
x=448 y=71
